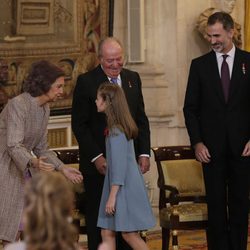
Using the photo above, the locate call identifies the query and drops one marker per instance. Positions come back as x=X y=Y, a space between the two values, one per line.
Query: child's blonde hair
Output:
x=117 y=111
x=49 y=202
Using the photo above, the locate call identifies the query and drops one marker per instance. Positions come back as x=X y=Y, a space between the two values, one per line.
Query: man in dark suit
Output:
x=88 y=126
x=218 y=122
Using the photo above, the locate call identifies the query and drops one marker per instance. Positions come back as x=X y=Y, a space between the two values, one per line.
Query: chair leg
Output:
x=175 y=240
x=165 y=238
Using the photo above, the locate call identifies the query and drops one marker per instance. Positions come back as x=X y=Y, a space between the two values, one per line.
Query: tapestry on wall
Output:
x=64 y=32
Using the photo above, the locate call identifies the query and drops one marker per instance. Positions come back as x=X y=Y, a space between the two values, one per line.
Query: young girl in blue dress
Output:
x=124 y=206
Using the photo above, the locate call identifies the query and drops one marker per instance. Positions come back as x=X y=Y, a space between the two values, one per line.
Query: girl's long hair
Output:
x=117 y=110
x=48 y=206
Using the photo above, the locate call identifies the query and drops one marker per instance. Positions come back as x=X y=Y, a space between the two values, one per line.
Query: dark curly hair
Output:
x=40 y=78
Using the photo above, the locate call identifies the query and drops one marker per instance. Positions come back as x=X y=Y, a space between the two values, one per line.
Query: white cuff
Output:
x=144 y=155
x=96 y=157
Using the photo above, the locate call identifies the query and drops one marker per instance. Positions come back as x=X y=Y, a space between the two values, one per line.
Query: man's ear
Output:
x=231 y=33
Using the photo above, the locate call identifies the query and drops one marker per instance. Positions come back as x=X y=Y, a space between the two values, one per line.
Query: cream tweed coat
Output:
x=23 y=130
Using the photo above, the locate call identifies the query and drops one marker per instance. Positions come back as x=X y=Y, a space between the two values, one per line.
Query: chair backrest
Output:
x=180 y=172
x=68 y=156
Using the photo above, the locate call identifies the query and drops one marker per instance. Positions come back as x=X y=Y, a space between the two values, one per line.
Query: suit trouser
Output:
x=227 y=189
x=93 y=190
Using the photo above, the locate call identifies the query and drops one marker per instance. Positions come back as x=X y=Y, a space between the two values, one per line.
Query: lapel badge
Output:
x=129 y=84
x=243 y=68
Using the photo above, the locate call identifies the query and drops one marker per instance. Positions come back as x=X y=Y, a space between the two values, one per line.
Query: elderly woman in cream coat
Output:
x=23 y=145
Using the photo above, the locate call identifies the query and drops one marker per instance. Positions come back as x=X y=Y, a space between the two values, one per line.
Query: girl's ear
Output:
x=108 y=100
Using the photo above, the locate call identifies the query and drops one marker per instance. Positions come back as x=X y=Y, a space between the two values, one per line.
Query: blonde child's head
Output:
x=49 y=202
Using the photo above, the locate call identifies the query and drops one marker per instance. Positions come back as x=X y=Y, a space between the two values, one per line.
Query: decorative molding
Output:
x=35 y=17
x=161 y=119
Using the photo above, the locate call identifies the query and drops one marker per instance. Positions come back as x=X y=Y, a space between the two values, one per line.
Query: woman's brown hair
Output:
x=117 y=110
x=40 y=78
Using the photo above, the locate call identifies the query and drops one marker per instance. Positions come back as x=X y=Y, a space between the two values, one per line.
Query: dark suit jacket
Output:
x=88 y=125
x=208 y=118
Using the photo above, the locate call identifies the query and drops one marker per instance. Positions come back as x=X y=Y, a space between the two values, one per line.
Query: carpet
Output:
x=188 y=240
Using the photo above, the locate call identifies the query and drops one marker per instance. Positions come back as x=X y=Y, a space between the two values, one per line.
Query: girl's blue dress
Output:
x=133 y=209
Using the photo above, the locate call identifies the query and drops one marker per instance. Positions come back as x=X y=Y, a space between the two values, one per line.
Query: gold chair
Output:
x=70 y=157
x=182 y=204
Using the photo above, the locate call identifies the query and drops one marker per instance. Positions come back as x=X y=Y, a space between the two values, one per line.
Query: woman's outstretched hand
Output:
x=72 y=174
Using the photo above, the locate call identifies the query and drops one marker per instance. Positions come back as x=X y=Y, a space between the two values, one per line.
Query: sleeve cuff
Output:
x=144 y=155
x=96 y=157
